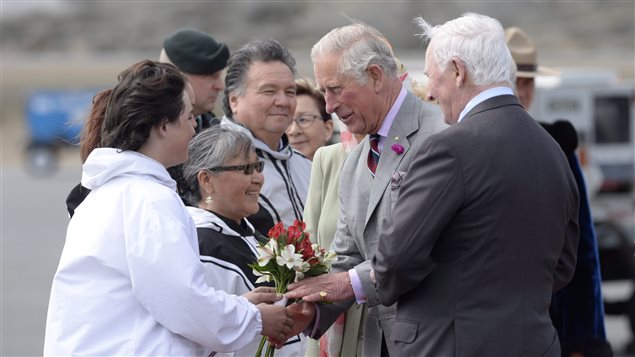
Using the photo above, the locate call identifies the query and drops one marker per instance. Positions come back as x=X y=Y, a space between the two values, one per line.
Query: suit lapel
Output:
x=406 y=122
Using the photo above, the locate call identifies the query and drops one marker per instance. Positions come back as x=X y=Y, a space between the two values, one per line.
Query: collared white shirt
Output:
x=483 y=96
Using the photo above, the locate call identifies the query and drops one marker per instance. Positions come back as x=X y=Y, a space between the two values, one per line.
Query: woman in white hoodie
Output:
x=129 y=280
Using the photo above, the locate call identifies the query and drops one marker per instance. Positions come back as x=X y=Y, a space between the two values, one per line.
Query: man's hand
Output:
x=302 y=314
x=323 y=288
x=276 y=322
x=263 y=294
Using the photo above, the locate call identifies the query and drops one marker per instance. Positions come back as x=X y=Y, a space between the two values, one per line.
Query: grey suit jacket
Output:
x=366 y=208
x=485 y=229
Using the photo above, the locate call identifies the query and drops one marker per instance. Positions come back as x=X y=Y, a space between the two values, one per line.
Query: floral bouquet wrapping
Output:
x=289 y=256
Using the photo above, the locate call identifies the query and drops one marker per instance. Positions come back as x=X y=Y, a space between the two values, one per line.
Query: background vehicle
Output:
x=54 y=118
x=602 y=109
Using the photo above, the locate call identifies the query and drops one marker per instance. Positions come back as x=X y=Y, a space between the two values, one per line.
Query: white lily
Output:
x=289 y=258
x=262 y=278
x=267 y=252
x=329 y=258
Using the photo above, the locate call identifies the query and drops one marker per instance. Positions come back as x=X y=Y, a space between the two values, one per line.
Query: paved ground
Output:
x=33 y=224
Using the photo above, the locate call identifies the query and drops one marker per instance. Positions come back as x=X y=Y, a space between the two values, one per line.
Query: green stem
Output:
x=261 y=346
x=270 y=350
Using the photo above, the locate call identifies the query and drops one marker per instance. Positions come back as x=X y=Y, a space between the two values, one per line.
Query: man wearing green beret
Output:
x=202 y=59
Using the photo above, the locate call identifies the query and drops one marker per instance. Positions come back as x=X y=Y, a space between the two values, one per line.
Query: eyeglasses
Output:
x=306 y=120
x=247 y=169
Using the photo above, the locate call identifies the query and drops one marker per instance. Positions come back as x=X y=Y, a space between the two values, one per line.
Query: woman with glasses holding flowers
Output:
x=224 y=177
x=312 y=126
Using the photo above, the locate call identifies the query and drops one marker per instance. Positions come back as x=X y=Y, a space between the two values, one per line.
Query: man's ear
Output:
x=375 y=76
x=458 y=71
x=233 y=103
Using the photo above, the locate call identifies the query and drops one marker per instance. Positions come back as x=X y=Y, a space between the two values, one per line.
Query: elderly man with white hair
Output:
x=485 y=222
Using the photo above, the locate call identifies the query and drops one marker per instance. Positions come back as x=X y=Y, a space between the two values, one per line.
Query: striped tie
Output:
x=373 y=153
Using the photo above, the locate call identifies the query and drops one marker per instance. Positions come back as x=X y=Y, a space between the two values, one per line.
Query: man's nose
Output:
x=430 y=97
x=331 y=103
x=282 y=99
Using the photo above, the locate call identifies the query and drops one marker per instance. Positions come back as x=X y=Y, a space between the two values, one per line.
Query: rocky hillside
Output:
x=577 y=31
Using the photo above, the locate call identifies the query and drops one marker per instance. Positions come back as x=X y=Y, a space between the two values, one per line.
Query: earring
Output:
x=209 y=198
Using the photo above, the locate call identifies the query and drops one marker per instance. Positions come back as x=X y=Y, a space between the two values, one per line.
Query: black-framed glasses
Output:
x=247 y=169
x=305 y=120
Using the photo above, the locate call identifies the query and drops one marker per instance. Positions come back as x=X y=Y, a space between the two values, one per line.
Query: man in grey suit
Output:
x=355 y=69
x=485 y=227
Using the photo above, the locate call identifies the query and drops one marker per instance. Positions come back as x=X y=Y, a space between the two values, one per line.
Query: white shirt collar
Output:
x=483 y=96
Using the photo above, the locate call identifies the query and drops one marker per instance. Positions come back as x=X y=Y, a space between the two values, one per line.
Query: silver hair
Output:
x=358 y=45
x=478 y=41
x=212 y=147
x=240 y=62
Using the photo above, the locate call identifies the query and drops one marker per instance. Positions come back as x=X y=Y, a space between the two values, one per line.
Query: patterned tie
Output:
x=373 y=153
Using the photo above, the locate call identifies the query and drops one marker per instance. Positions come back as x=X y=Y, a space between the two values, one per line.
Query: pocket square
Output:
x=396 y=179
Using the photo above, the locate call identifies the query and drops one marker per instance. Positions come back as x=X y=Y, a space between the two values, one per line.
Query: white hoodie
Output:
x=129 y=280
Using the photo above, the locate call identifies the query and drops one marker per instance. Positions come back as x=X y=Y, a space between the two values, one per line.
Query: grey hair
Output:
x=241 y=60
x=210 y=148
x=359 y=45
x=478 y=41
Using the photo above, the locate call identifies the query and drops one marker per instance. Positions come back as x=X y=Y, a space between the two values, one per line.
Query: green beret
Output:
x=196 y=52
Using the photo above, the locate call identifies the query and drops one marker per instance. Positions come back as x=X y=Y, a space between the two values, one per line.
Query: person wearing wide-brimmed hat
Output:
x=577 y=310
x=525 y=55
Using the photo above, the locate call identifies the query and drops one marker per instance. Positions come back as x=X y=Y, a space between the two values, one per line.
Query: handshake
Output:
x=279 y=323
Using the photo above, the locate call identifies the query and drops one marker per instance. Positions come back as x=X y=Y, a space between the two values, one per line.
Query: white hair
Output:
x=478 y=41
x=359 y=45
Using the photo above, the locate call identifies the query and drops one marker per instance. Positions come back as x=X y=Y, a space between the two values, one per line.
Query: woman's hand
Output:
x=263 y=294
x=276 y=323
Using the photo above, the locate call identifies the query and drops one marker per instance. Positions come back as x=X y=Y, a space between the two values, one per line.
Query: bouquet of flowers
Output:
x=289 y=256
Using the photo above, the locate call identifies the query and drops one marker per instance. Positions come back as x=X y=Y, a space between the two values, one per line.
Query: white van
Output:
x=602 y=109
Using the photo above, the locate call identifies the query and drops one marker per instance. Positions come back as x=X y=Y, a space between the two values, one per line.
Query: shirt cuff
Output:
x=358 y=290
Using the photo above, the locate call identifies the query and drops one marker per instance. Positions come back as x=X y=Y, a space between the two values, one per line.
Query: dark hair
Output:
x=212 y=147
x=148 y=94
x=240 y=62
x=90 y=136
x=304 y=87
